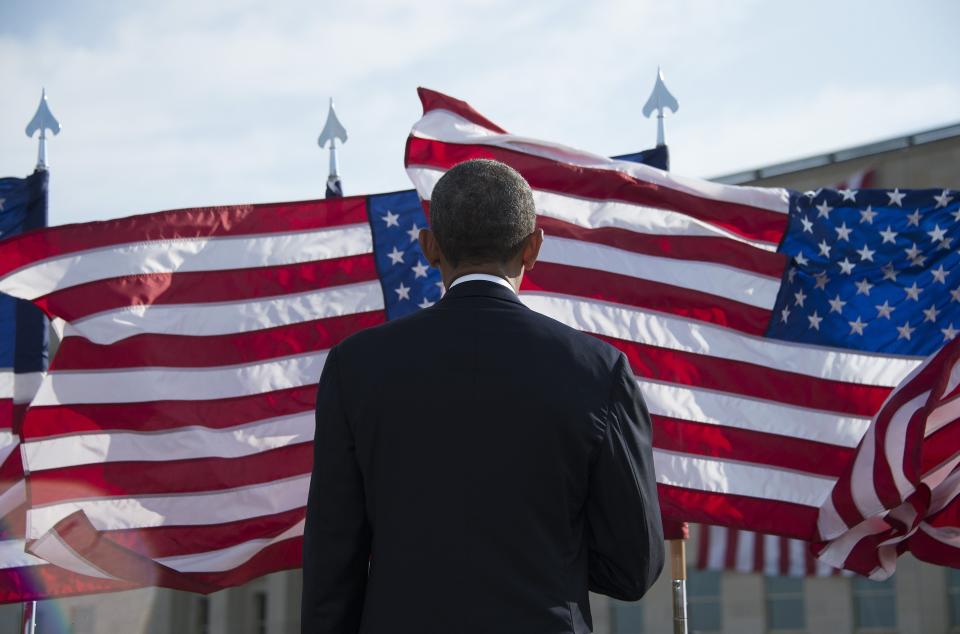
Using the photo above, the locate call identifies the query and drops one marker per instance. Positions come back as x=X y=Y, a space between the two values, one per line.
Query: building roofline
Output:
x=859 y=151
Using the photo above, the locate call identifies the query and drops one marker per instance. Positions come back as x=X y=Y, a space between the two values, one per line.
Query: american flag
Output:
x=23 y=361
x=170 y=442
x=902 y=492
x=756 y=415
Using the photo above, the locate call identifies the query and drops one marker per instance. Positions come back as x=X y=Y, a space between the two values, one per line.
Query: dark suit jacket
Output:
x=489 y=464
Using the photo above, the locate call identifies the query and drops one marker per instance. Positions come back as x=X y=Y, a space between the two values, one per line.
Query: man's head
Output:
x=482 y=214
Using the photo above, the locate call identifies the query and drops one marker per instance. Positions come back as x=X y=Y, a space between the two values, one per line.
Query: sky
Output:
x=187 y=103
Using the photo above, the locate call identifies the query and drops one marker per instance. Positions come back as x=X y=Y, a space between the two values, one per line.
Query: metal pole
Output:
x=28 y=624
x=678 y=568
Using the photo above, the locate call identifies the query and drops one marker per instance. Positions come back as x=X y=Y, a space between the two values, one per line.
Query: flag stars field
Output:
x=886 y=259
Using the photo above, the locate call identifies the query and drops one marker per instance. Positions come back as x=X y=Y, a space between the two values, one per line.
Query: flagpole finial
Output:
x=660 y=99
x=43 y=120
x=332 y=131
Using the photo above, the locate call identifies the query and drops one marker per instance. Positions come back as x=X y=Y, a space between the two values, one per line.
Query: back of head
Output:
x=481 y=211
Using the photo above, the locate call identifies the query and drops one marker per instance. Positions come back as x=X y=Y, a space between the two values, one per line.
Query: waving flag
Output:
x=902 y=491
x=23 y=361
x=170 y=442
x=759 y=393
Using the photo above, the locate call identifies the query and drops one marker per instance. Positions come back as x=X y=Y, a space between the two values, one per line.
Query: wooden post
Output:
x=678 y=569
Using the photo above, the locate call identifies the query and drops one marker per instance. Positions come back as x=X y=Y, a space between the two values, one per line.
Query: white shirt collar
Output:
x=473 y=277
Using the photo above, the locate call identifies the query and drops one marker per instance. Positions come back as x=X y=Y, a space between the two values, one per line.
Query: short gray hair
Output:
x=481 y=211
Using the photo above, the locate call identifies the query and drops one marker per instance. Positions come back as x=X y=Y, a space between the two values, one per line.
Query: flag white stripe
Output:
x=942 y=416
x=446 y=126
x=6 y=383
x=739 y=478
x=705 y=277
x=797 y=566
x=12 y=497
x=185 y=509
x=186 y=255
x=134 y=385
x=744 y=553
x=53 y=549
x=727 y=410
x=771 y=555
x=13 y=555
x=25 y=385
x=222 y=318
x=896 y=439
x=865 y=498
x=183 y=443
x=689 y=335
x=716 y=549
x=600 y=213
x=8 y=442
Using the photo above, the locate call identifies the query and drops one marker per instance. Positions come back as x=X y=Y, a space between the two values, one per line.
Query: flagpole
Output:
x=678 y=572
x=661 y=99
x=42 y=121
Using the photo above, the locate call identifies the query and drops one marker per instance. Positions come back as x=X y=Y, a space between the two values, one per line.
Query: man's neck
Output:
x=494 y=270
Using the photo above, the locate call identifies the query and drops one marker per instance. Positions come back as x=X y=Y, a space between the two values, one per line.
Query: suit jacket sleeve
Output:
x=623 y=512
x=336 y=540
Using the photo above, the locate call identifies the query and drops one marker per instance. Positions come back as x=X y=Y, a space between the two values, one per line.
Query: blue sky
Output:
x=186 y=103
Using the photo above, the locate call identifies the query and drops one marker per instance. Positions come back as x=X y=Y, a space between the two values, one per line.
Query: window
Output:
x=626 y=618
x=703 y=601
x=260 y=614
x=874 y=605
x=953 y=597
x=785 y=609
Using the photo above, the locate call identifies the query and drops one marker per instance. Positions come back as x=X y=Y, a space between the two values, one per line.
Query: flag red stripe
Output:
x=285 y=555
x=719 y=250
x=748 y=379
x=432 y=100
x=34 y=583
x=172 y=541
x=737 y=511
x=703 y=547
x=601 y=184
x=759 y=553
x=725 y=442
x=939 y=447
x=149 y=477
x=206 y=286
x=198 y=222
x=623 y=289
x=53 y=421
x=730 y=550
x=186 y=351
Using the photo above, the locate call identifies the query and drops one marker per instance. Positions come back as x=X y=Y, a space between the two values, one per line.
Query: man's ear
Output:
x=430 y=248
x=531 y=249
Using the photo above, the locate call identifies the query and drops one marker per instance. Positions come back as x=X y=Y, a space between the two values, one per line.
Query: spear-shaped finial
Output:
x=660 y=99
x=43 y=120
x=332 y=131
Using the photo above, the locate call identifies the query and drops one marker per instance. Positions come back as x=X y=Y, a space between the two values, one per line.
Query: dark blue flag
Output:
x=23 y=327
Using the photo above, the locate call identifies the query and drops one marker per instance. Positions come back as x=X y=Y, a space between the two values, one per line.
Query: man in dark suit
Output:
x=477 y=466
